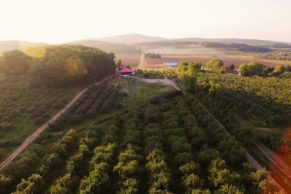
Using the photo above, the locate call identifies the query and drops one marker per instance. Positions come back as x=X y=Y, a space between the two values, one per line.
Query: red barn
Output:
x=124 y=70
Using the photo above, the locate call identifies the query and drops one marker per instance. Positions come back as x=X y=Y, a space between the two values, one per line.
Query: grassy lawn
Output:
x=12 y=138
x=139 y=92
x=23 y=128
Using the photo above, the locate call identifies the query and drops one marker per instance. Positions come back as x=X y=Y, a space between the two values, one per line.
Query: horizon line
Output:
x=153 y=36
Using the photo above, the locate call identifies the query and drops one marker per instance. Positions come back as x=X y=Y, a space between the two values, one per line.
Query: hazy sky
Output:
x=57 y=21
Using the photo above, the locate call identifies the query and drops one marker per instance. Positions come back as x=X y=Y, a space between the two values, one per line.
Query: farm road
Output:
x=165 y=81
x=38 y=131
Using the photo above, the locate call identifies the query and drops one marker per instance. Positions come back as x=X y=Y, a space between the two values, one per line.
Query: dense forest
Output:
x=58 y=66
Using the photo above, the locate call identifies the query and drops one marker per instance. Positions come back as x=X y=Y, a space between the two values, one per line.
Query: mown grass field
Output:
x=139 y=92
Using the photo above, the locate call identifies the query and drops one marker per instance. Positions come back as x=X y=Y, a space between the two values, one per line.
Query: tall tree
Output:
x=215 y=65
x=14 y=63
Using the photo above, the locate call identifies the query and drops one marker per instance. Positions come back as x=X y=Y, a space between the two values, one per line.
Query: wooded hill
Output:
x=58 y=66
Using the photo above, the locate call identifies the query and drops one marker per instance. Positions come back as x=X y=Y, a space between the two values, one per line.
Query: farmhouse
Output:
x=124 y=70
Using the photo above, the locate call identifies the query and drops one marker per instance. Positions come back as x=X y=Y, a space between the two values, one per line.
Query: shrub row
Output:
x=60 y=151
x=68 y=182
x=129 y=167
x=101 y=164
x=156 y=165
x=181 y=152
x=229 y=148
x=98 y=180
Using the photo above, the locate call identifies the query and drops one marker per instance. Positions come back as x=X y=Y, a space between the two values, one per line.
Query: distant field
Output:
x=201 y=54
x=183 y=50
x=131 y=59
x=228 y=60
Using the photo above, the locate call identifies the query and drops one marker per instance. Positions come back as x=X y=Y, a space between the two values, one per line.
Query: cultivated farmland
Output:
x=132 y=153
x=24 y=109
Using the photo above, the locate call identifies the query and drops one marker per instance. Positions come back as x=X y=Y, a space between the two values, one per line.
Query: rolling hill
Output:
x=128 y=54
x=106 y=46
x=143 y=39
x=252 y=42
x=132 y=39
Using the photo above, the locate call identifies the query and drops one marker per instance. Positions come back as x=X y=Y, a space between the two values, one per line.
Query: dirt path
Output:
x=38 y=131
x=265 y=129
x=252 y=161
x=165 y=81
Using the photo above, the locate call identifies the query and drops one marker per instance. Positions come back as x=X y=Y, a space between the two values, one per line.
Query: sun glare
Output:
x=35 y=52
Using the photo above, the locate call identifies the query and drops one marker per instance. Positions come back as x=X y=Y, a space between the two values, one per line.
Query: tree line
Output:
x=217 y=66
x=189 y=69
x=258 y=69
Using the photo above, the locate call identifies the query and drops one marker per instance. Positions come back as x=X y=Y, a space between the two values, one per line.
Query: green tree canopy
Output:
x=279 y=69
x=14 y=63
x=254 y=69
x=189 y=68
x=215 y=65
x=70 y=65
x=60 y=66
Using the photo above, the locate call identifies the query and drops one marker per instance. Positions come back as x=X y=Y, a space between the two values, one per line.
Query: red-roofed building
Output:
x=124 y=70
